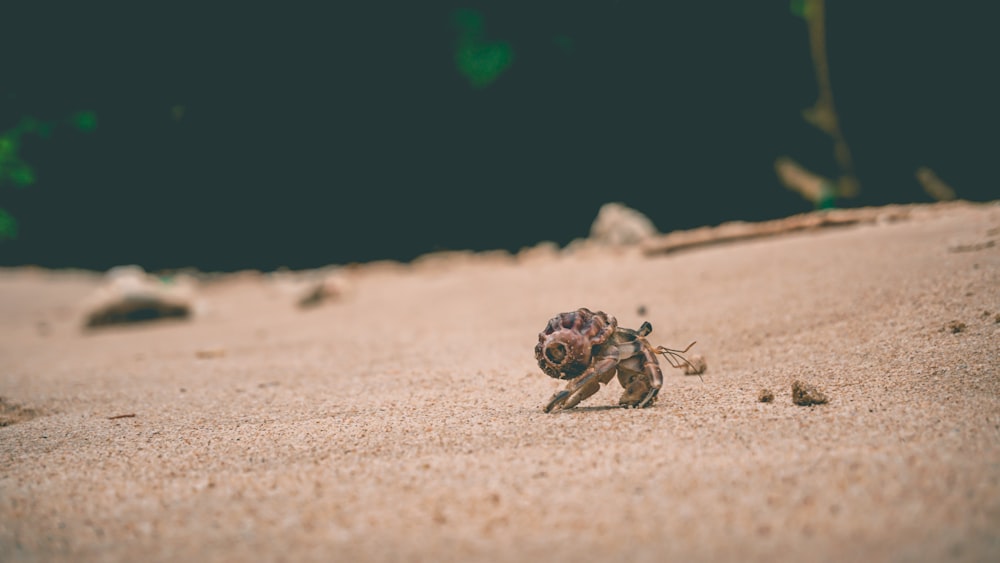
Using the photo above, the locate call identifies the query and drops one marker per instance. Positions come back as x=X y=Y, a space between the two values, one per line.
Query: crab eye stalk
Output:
x=556 y=353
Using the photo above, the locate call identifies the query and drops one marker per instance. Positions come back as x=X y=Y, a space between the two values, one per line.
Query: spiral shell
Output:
x=564 y=348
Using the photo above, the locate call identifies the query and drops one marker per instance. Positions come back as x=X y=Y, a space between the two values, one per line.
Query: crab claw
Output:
x=584 y=385
x=649 y=399
x=638 y=394
x=557 y=400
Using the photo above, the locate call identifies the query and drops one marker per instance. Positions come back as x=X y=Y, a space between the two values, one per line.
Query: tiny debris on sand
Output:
x=210 y=352
x=955 y=327
x=129 y=295
x=972 y=246
x=12 y=413
x=805 y=394
x=546 y=250
x=331 y=288
x=765 y=395
x=619 y=225
x=695 y=365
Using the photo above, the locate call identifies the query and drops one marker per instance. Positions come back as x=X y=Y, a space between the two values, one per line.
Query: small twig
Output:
x=117 y=416
x=823 y=115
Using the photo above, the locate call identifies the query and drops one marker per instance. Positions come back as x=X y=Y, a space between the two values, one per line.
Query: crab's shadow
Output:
x=592 y=408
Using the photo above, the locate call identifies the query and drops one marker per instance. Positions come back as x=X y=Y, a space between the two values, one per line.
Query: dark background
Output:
x=318 y=135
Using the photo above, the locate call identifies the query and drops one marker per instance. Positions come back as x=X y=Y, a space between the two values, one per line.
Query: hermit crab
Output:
x=588 y=348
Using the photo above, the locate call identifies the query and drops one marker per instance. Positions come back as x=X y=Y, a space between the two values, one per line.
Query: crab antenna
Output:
x=671 y=352
x=674 y=357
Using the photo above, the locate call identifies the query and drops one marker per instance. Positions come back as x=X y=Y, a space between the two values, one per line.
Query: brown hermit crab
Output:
x=588 y=348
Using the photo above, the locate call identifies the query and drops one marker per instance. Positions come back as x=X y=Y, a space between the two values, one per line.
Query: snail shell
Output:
x=566 y=344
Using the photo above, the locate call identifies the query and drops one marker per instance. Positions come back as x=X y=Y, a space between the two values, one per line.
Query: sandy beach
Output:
x=402 y=419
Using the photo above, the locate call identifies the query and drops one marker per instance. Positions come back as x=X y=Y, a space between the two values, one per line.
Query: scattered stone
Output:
x=130 y=295
x=331 y=288
x=12 y=413
x=210 y=352
x=955 y=327
x=805 y=394
x=447 y=260
x=765 y=395
x=619 y=225
x=545 y=250
x=971 y=246
x=695 y=365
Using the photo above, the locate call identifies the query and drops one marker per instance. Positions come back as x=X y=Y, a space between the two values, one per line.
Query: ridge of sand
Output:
x=403 y=421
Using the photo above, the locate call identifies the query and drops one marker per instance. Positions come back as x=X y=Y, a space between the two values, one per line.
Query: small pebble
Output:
x=696 y=365
x=330 y=288
x=805 y=394
x=130 y=295
x=955 y=327
x=209 y=353
x=765 y=395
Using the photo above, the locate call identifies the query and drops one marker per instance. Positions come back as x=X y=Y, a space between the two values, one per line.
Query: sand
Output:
x=402 y=421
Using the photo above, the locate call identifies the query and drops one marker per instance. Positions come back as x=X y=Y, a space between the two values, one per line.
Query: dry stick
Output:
x=824 y=115
x=741 y=230
x=117 y=416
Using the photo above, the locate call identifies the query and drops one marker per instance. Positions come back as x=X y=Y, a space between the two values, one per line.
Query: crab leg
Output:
x=588 y=383
x=584 y=385
x=640 y=376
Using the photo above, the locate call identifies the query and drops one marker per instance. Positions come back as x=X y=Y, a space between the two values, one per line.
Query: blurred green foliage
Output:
x=14 y=171
x=479 y=60
x=564 y=43
x=8 y=226
x=799 y=8
x=85 y=120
